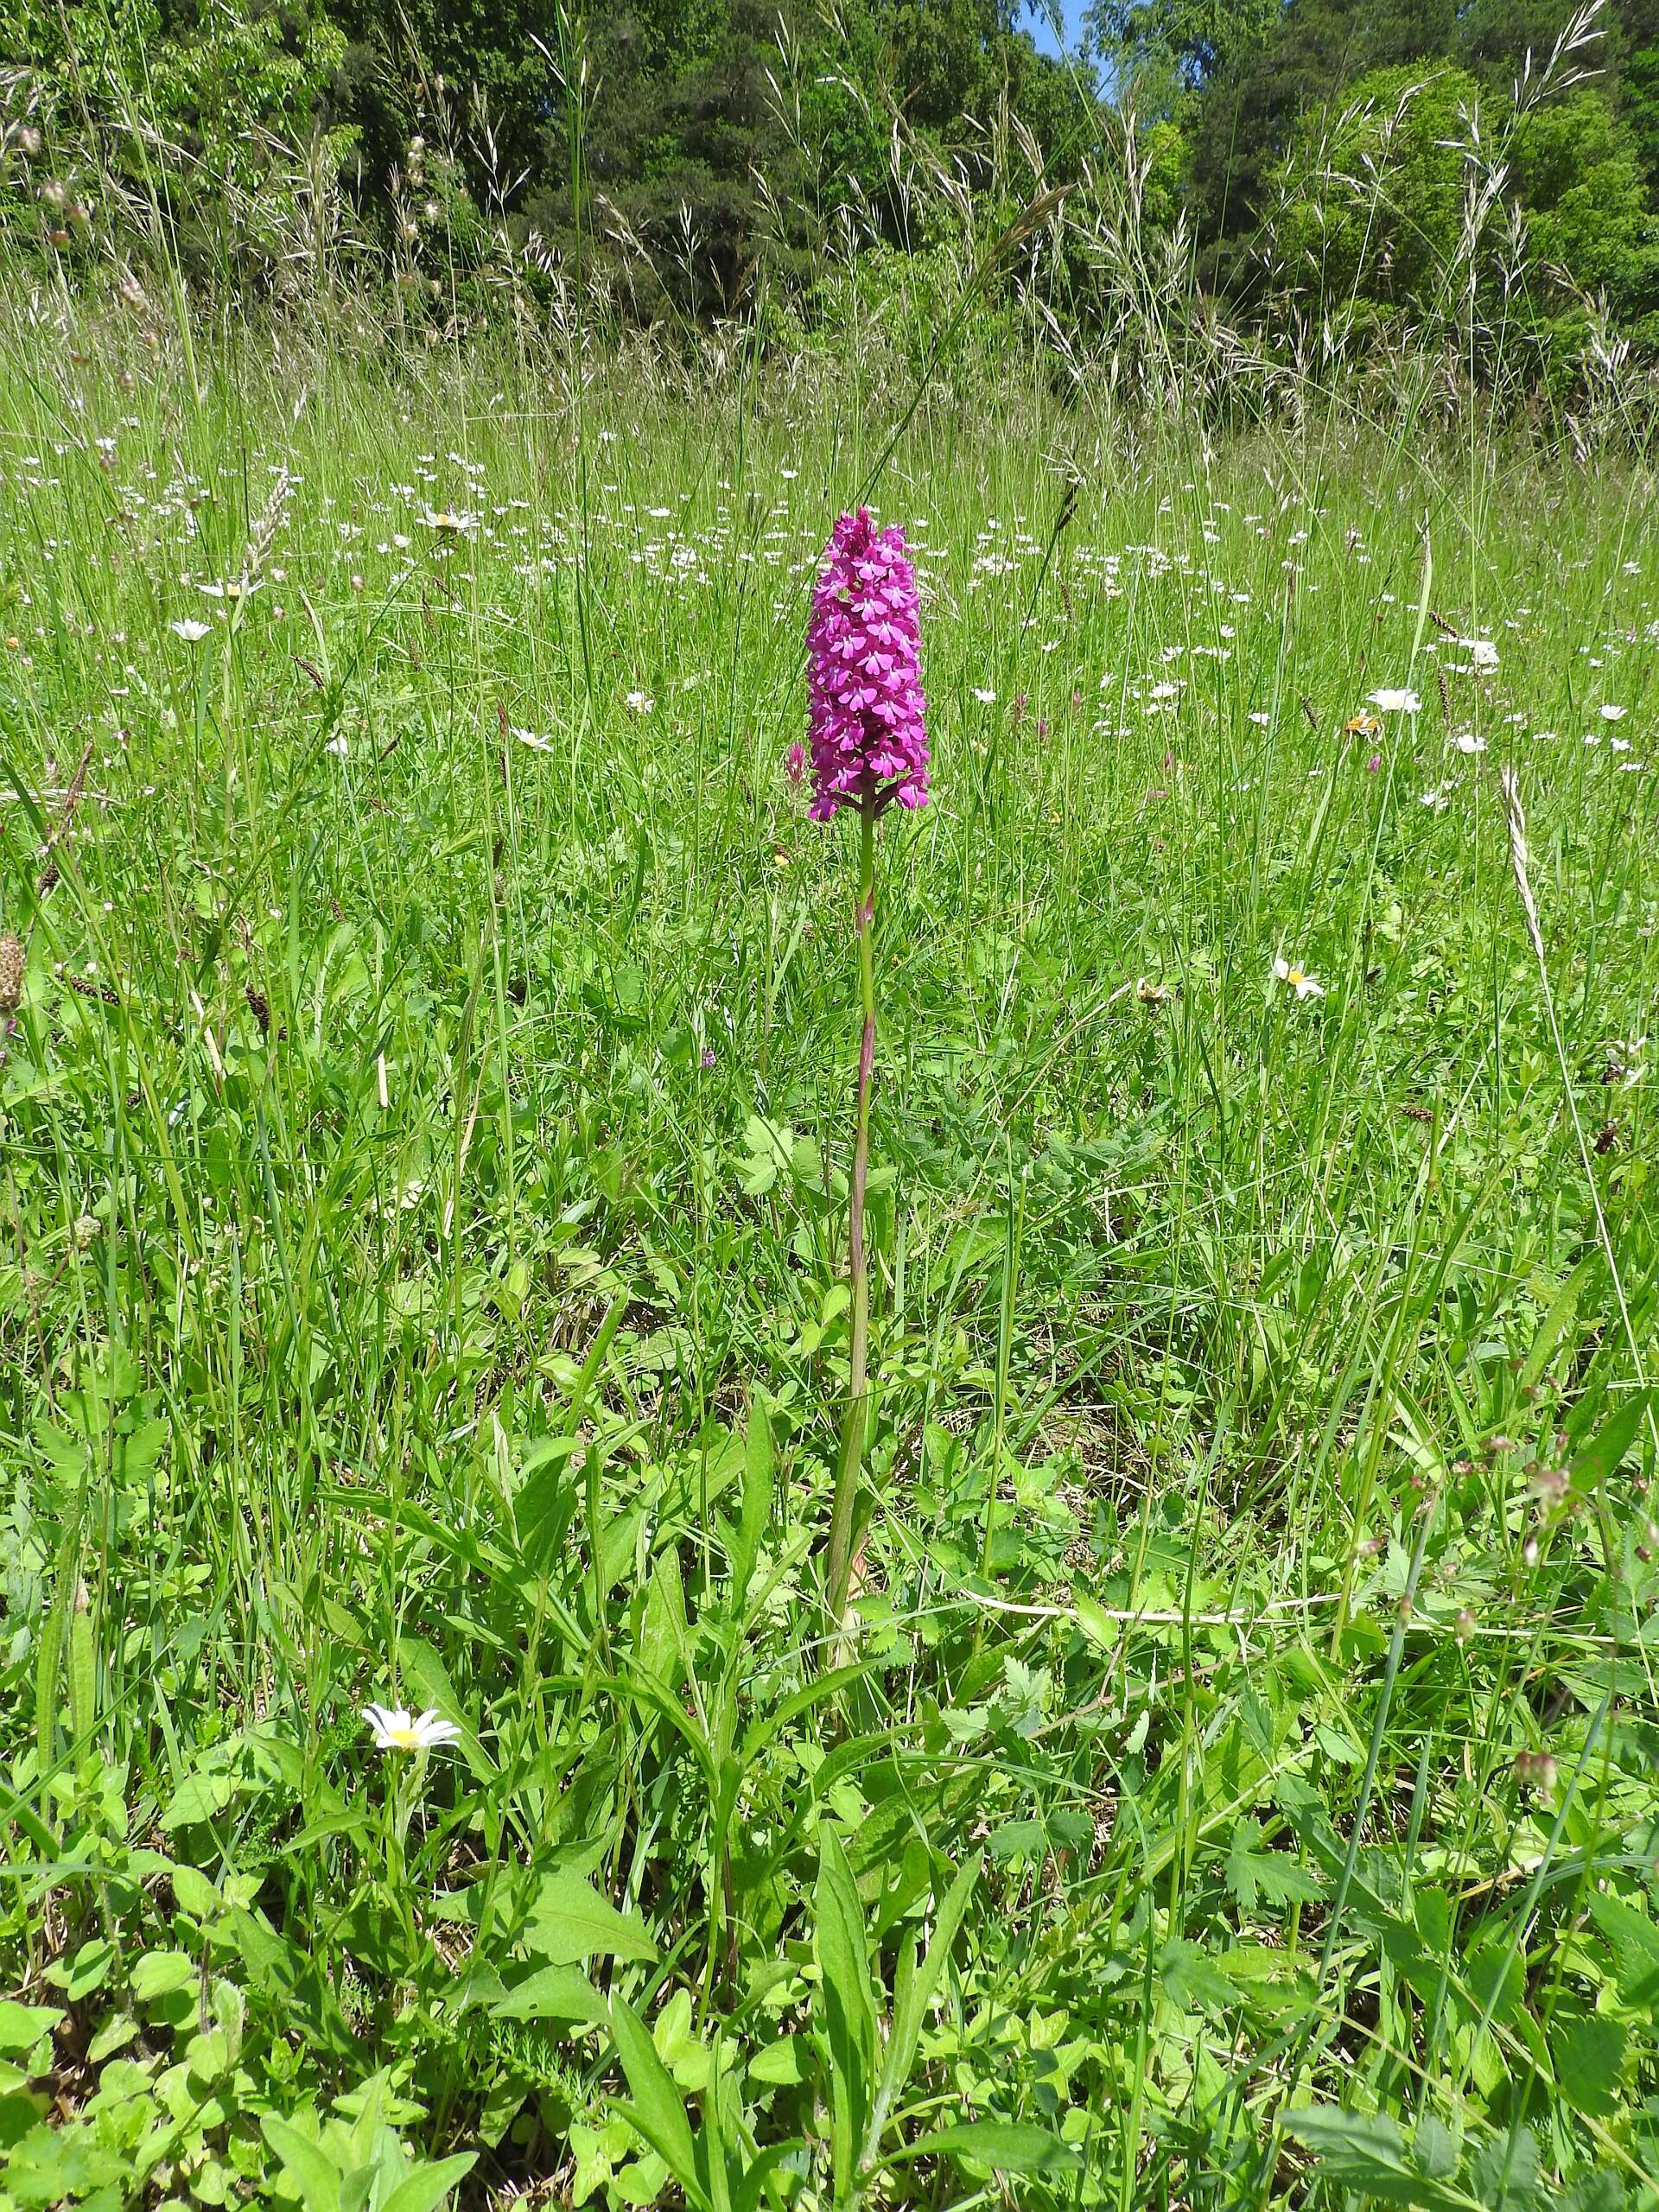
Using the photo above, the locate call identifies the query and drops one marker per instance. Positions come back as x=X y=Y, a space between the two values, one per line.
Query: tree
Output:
x=1372 y=188
x=1250 y=108
x=1164 y=46
x=1588 y=211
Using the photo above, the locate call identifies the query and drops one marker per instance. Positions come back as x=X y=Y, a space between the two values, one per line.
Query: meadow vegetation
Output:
x=431 y=1768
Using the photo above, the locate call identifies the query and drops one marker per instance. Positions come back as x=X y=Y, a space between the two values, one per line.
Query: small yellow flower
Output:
x=1293 y=974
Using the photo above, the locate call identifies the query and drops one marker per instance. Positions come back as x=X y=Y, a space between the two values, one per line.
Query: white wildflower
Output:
x=396 y=1729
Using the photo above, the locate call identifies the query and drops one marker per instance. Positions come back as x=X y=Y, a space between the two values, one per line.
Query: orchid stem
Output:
x=855 y=1422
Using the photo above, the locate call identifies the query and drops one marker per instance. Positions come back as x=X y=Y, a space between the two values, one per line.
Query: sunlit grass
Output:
x=426 y=1130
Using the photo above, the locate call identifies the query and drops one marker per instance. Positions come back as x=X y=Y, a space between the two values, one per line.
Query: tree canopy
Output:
x=690 y=151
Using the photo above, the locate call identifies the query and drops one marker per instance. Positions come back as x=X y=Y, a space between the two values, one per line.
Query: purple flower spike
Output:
x=867 y=715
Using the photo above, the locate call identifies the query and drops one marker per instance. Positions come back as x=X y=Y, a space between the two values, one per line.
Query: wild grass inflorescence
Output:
x=426 y=1292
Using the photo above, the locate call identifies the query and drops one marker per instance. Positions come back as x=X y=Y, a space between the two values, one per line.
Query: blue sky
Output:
x=1037 y=18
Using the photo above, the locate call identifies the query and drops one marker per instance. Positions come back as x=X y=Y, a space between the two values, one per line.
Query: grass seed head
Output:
x=11 y=973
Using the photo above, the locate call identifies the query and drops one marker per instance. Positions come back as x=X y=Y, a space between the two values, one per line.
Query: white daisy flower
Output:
x=1613 y=714
x=1303 y=985
x=1396 y=702
x=193 y=633
x=396 y=1729
x=1467 y=741
x=640 y=702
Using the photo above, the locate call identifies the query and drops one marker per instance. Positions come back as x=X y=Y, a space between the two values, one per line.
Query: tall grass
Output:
x=426 y=1123
x=425 y=1130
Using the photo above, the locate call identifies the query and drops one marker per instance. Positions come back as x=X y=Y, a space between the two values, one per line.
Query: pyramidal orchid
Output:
x=867 y=714
x=867 y=718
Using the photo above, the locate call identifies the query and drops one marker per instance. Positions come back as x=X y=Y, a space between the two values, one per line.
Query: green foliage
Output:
x=423 y=1282
x=1374 y=190
x=1589 y=213
x=1168 y=44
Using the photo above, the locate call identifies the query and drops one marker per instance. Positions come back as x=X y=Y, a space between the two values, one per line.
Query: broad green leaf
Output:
x=1504 y=2174
x=428 y=2185
x=193 y=1893
x=826 y=1689
x=1252 y=1872
x=425 y=1683
x=662 y=1627
x=685 y=2057
x=750 y=2193
x=555 y=1992
x=1555 y=1323
x=910 y=2005
x=783 y=2061
x=756 y=1512
x=1102 y=1631
x=1017 y=1839
x=198 y=1797
x=848 y=2004
x=1635 y=1941
x=1611 y=1442
x=21 y=2026
x=1190 y=1976
x=657 y=2109
x=313 y=2172
x=158 y=1973
x=1434 y=2148
x=569 y=1921
x=1006 y=2147
x=1588 y=2052
x=89 y=1969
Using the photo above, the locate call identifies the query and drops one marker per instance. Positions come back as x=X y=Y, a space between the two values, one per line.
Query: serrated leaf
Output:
x=1635 y=1941
x=1588 y=2053
x=1190 y=1976
x=1434 y=2148
x=1368 y=2154
x=1096 y=1623
x=1253 y=1872
x=1504 y=2174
